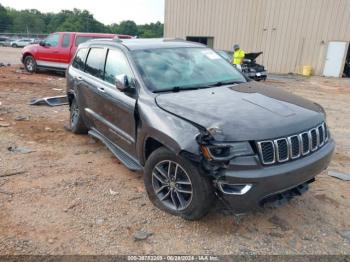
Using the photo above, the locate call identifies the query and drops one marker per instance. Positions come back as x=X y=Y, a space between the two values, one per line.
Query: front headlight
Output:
x=226 y=151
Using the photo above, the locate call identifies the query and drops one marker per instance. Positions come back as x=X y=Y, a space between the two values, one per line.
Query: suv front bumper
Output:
x=266 y=181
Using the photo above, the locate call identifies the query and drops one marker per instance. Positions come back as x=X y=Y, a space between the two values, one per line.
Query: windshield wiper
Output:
x=228 y=82
x=196 y=87
x=179 y=88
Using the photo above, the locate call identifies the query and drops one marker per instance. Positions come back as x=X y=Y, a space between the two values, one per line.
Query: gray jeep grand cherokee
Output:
x=196 y=127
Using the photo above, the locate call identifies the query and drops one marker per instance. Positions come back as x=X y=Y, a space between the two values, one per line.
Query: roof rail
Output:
x=99 y=39
x=117 y=39
x=169 y=39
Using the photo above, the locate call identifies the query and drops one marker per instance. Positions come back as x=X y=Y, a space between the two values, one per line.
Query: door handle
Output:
x=79 y=78
x=55 y=52
x=101 y=89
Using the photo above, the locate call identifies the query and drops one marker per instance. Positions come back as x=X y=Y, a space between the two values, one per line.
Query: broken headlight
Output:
x=226 y=151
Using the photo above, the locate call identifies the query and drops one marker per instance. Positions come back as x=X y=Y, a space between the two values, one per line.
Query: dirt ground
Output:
x=71 y=196
x=10 y=55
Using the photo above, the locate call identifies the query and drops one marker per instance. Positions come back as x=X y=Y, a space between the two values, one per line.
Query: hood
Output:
x=249 y=111
x=252 y=56
x=30 y=48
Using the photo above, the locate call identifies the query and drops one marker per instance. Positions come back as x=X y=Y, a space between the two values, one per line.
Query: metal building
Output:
x=291 y=33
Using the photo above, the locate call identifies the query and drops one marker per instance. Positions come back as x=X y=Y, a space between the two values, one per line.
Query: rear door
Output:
x=90 y=86
x=65 y=50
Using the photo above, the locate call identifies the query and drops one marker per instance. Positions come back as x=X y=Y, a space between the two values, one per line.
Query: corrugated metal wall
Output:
x=291 y=33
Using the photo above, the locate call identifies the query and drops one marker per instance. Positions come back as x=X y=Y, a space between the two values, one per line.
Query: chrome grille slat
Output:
x=282 y=152
x=305 y=141
x=293 y=147
x=296 y=144
x=266 y=159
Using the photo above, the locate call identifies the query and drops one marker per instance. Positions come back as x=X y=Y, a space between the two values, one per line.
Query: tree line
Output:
x=32 y=21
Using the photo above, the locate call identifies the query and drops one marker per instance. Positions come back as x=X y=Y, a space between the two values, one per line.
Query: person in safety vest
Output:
x=238 y=56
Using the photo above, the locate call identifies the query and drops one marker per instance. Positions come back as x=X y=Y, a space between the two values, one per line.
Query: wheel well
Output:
x=25 y=55
x=150 y=146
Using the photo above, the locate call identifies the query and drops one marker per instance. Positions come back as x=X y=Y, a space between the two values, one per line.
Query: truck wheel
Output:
x=76 y=121
x=14 y=45
x=30 y=64
x=173 y=184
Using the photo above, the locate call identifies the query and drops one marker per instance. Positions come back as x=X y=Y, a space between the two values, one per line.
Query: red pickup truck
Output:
x=56 y=51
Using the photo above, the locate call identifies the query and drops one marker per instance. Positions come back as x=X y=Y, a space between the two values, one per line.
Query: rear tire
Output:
x=76 y=121
x=175 y=198
x=30 y=64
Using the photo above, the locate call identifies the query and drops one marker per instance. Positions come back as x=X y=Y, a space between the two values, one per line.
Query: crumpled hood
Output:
x=249 y=111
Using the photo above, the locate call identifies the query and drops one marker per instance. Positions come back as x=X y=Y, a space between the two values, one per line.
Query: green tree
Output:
x=128 y=28
x=33 y=21
x=153 y=30
x=5 y=20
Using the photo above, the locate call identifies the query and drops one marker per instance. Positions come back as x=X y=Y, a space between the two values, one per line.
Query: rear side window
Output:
x=116 y=64
x=79 y=60
x=95 y=62
x=82 y=39
x=66 y=40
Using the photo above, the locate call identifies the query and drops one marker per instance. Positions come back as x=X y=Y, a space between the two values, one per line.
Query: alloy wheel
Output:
x=74 y=114
x=172 y=185
x=30 y=64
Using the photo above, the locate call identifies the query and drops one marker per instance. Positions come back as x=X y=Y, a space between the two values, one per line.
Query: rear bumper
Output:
x=268 y=181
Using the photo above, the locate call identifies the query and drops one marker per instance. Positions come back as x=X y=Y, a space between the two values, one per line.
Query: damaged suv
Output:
x=196 y=127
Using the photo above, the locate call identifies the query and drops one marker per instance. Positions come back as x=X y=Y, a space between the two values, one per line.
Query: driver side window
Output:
x=116 y=64
x=52 y=40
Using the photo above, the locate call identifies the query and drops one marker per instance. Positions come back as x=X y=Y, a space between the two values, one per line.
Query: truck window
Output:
x=82 y=39
x=116 y=64
x=79 y=60
x=95 y=62
x=66 y=40
x=52 y=40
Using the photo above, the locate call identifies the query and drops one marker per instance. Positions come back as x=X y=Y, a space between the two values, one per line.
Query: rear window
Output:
x=66 y=40
x=95 y=62
x=79 y=60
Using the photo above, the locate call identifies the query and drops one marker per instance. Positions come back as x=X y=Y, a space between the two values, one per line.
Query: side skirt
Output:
x=124 y=157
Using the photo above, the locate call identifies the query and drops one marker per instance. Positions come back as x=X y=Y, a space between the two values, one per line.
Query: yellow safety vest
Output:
x=238 y=57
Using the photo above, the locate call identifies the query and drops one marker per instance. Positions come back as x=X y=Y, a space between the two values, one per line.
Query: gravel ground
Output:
x=10 y=55
x=71 y=196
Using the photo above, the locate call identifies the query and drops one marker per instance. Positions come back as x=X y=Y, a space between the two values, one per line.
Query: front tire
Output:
x=76 y=120
x=174 y=185
x=30 y=64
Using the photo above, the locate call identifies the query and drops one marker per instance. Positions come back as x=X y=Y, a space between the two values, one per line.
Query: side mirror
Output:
x=42 y=43
x=122 y=83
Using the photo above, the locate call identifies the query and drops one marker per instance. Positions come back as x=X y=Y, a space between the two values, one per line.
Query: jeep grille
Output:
x=289 y=148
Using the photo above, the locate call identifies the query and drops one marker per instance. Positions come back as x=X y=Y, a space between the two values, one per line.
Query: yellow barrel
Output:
x=307 y=70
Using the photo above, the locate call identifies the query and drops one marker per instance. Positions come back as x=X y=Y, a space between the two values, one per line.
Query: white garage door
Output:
x=335 y=59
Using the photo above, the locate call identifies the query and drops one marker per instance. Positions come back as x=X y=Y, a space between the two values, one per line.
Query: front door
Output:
x=118 y=107
x=335 y=59
x=49 y=54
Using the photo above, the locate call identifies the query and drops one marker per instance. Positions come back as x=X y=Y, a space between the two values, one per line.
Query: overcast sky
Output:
x=105 y=11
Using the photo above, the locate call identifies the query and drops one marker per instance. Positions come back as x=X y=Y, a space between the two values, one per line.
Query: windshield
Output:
x=183 y=68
